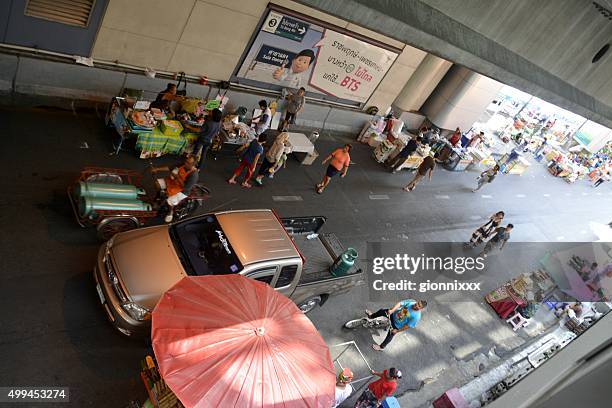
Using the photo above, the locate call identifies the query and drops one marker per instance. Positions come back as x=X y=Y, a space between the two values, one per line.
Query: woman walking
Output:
x=249 y=160
x=272 y=157
x=340 y=161
x=486 y=176
x=426 y=167
x=604 y=175
x=484 y=231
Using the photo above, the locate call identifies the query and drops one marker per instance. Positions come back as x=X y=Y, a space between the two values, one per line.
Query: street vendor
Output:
x=411 y=147
x=165 y=98
x=179 y=184
x=209 y=130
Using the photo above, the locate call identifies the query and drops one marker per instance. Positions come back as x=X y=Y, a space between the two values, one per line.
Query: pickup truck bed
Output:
x=320 y=253
x=318 y=258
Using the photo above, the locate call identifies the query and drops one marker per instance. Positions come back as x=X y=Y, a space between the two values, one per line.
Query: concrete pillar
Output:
x=460 y=98
x=422 y=83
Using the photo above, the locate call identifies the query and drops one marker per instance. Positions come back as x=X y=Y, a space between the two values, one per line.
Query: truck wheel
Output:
x=309 y=304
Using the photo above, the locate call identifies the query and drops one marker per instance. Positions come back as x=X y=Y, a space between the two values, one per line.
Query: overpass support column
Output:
x=421 y=84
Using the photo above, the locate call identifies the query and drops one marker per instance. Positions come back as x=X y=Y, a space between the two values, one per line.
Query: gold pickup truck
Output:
x=135 y=268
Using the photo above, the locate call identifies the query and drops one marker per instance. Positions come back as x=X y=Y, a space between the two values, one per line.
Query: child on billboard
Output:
x=295 y=77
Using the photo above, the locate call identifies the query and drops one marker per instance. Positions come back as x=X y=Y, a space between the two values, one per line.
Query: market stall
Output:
x=560 y=165
x=413 y=161
x=154 y=134
x=518 y=292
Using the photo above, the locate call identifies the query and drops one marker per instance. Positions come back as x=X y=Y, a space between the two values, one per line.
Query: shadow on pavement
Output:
x=101 y=348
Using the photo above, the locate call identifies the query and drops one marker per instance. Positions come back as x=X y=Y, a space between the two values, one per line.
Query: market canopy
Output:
x=225 y=341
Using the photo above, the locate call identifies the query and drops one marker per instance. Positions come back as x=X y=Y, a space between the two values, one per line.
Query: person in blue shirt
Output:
x=403 y=316
x=250 y=157
x=208 y=131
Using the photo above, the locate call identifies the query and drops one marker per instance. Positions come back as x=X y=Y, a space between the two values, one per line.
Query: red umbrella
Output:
x=230 y=341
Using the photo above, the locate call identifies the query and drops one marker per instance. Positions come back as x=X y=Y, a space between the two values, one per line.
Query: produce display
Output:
x=143 y=119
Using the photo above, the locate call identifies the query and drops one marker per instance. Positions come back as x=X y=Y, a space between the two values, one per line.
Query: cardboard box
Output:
x=171 y=127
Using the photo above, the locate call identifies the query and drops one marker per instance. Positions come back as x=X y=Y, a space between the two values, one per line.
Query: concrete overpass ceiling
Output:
x=542 y=47
x=559 y=36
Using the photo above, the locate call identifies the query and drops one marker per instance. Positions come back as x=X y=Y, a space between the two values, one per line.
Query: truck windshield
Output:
x=204 y=248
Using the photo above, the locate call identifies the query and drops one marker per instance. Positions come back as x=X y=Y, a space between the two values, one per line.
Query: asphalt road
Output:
x=54 y=332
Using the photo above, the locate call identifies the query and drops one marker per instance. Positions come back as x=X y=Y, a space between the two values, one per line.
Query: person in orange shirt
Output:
x=179 y=184
x=340 y=161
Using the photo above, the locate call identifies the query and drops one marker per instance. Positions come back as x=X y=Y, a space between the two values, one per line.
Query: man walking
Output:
x=209 y=130
x=486 y=176
x=249 y=160
x=410 y=148
x=295 y=104
x=427 y=166
x=403 y=316
x=263 y=120
x=500 y=237
x=379 y=390
x=340 y=161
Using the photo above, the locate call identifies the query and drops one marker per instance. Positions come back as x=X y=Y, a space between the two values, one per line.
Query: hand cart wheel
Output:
x=111 y=226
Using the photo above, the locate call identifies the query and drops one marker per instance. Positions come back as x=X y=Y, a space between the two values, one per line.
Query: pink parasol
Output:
x=230 y=341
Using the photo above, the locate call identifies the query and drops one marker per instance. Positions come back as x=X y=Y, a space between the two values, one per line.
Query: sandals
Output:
x=320 y=190
x=230 y=181
x=246 y=185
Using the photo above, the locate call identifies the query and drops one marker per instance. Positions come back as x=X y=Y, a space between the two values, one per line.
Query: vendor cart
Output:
x=117 y=200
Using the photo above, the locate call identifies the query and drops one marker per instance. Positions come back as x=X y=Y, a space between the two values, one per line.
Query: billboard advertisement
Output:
x=289 y=52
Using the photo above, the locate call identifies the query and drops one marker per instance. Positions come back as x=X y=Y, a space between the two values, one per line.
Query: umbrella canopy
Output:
x=230 y=341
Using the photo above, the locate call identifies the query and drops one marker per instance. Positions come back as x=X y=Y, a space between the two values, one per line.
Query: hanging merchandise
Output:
x=181 y=78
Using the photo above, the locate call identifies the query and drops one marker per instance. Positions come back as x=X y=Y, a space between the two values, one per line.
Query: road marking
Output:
x=286 y=198
x=442 y=197
x=546 y=195
x=224 y=204
x=521 y=196
x=585 y=194
x=379 y=197
x=486 y=196
x=597 y=193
